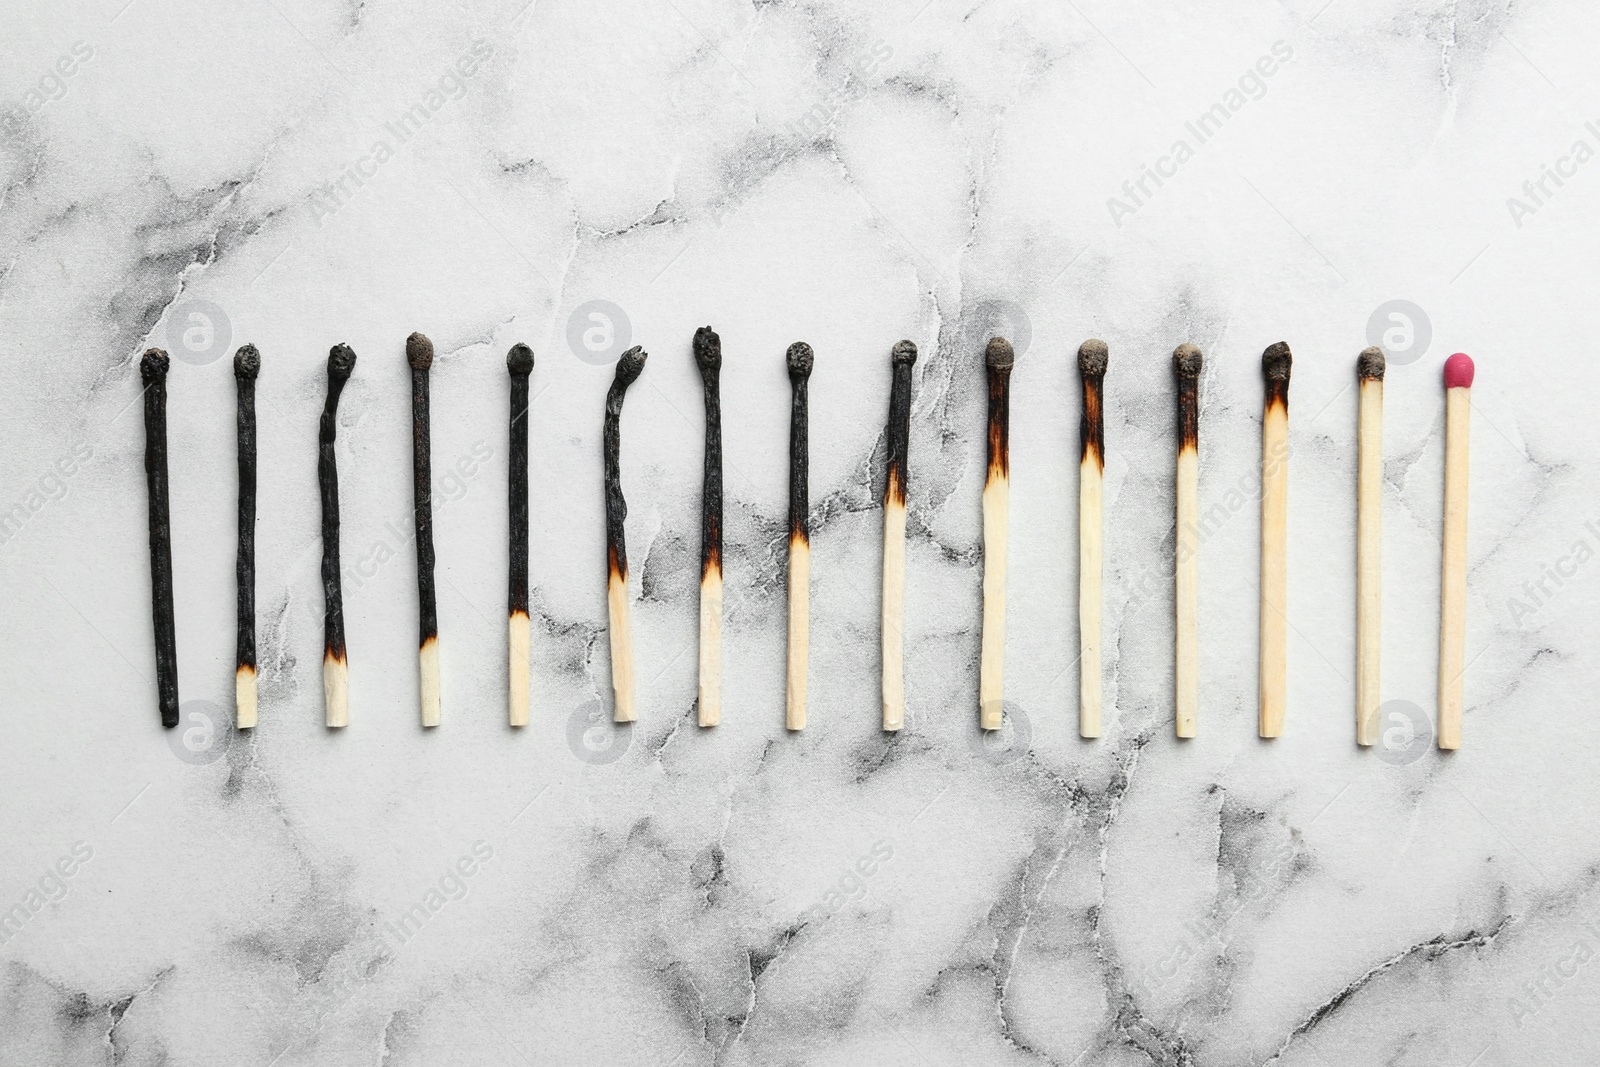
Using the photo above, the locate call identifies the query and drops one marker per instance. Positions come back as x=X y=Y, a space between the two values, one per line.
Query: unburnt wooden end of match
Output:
x=335 y=665
x=708 y=357
x=1092 y=359
x=246 y=365
x=999 y=358
x=800 y=359
x=1458 y=373
x=1186 y=366
x=623 y=685
x=419 y=353
x=519 y=364
x=1275 y=364
x=153 y=366
x=894 y=537
x=1369 y=544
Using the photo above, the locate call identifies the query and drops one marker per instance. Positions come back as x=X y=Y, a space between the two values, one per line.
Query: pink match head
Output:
x=1458 y=371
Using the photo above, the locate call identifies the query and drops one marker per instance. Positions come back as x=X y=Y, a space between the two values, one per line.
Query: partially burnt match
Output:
x=999 y=357
x=419 y=353
x=153 y=371
x=1186 y=365
x=1092 y=358
x=622 y=670
x=1370 y=366
x=246 y=365
x=335 y=666
x=708 y=357
x=519 y=364
x=800 y=361
x=1275 y=365
x=898 y=434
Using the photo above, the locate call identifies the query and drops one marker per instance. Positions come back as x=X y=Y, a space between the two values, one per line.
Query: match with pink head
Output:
x=1458 y=371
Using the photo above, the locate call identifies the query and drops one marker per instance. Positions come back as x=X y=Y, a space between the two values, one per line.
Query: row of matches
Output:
x=999 y=360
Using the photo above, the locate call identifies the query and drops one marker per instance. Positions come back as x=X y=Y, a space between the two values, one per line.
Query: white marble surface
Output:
x=849 y=175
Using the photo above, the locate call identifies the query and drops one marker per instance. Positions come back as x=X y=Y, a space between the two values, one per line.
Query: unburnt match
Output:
x=894 y=537
x=1092 y=359
x=1458 y=372
x=622 y=671
x=1369 y=544
x=800 y=360
x=708 y=357
x=999 y=358
x=419 y=353
x=153 y=371
x=246 y=365
x=1275 y=364
x=519 y=364
x=1186 y=366
x=335 y=665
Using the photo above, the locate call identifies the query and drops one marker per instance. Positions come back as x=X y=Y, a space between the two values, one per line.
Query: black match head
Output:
x=519 y=361
x=246 y=363
x=153 y=364
x=800 y=359
x=1275 y=362
x=1186 y=361
x=419 y=351
x=630 y=364
x=341 y=361
x=904 y=353
x=707 y=350
x=1092 y=357
x=1000 y=355
x=1371 y=364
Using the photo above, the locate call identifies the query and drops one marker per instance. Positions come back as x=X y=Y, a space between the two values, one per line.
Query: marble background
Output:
x=196 y=175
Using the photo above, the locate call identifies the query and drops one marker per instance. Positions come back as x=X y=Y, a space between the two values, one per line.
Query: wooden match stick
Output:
x=246 y=365
x=894 y=537
x=800 y=359
x=1369 y=544
x=1092 y=358
x=419 y=353
x=708 y=357
x=1275 y=363
x=153 y=370
x=999 y=358
x=622 y=673
x=1186 y=365
x=519 y=364
x=1458 y=372
x=335 y=665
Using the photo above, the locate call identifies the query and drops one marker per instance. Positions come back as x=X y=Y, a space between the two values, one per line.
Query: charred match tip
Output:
x=1458 y=371
x=341 y=361
x=1186 y=361
x=153 y=364
x=999 y=355
x=1275 y=362
x=630 y=364
x=800 y=359
x=1092 y=357
x=904 y=353
x=419 y=351
x=246 y=362
x=519 y=361
x=707 y=350
x=1370 y=363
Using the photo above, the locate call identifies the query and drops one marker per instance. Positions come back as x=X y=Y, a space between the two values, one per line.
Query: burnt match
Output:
x=800 y=360
x=1186 y=365
x=1092 y=358
x=335 y=666
x=1000 y=358
x=519 y=364
x=246 y=365
x=1275 y=365
x=708 y=357
x=1458 y=373
x=419 y=353
x=153 y=370
x=898 y=432
x=1369 y=544
x=622 y=672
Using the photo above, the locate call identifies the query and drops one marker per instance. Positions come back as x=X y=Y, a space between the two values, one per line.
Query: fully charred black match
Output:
x=1186 y=364
x=1092 y=359
x=1371 y=364
x=800 y=360
x=246 y=365
x=708 y=357
x=628 y=369
x=899 y=429
x=419 y=353
x=1000 y=358
x=1275 y=363
x=153 y=370
x=341 y=361
x=519 y=363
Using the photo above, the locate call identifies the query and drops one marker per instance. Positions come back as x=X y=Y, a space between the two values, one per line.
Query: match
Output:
x=622 y=670
x=800 y=360
x=1000 y=358
x=901 y=359
x=1369 y=544
x=1275 y=364
x=1458 y=371
x=708 y=357
x=153 y=370
x=335 y=665
x=519 y=364
x=419 y=353
x=246 y=365
x=1092 y=358
x=1186 y=365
